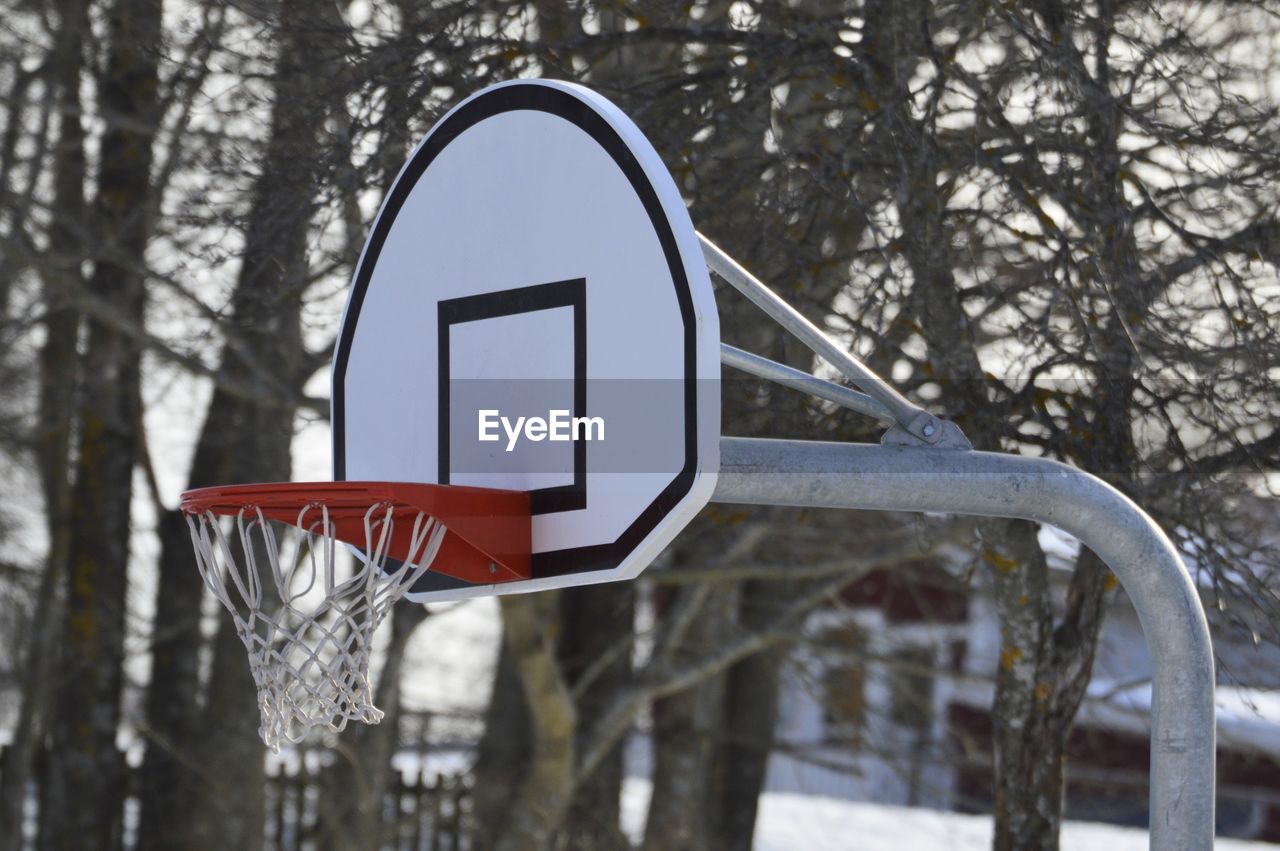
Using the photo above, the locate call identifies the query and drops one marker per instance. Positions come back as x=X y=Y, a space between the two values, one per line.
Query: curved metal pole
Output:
x=891 y=478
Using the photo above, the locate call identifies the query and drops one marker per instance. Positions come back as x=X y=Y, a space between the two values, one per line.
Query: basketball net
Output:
x=308 y=626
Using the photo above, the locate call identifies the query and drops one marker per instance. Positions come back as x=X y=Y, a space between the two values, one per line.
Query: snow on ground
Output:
x=789 y=821
x=1248 y=718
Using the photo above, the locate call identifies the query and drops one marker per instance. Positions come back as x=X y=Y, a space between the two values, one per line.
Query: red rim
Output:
x=488 y=538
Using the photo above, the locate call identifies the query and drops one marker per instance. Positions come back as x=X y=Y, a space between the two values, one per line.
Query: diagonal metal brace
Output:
x=912 y=424
x=796 y=379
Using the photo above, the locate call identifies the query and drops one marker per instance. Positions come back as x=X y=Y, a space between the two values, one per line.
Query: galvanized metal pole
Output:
x=796 y=379
x=909 y=416
x=894 y=478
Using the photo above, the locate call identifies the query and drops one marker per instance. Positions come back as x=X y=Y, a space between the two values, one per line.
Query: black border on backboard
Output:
x=472 y=308
x=563 y=104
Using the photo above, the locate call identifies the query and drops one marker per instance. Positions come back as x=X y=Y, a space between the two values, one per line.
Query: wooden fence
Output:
x=420 y=812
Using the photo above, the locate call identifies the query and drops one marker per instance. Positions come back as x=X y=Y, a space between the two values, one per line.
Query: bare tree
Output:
x=1053 y=222
x=204 y=771
x=1066 y=240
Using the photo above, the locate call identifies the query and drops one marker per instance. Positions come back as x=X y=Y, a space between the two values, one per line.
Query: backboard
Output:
x=532 y=311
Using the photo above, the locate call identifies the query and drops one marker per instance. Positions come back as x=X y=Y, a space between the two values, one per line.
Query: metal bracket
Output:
x=913 y=425
x=928 y=431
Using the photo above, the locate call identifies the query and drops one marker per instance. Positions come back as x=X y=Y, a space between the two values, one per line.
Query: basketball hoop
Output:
x=310 y=639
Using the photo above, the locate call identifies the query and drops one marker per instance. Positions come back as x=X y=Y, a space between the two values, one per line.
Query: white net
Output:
x=310 y=640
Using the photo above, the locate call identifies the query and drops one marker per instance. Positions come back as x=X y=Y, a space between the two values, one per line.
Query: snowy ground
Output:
x=789 y=821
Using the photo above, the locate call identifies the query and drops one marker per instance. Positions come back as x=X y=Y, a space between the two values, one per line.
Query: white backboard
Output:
x=534 y=258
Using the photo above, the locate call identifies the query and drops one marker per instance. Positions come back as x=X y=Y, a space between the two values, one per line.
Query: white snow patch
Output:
x=1248 y=718
x=788 y=821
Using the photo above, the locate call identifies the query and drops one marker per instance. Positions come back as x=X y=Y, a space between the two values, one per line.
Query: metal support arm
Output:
x=802 y=381
x=912 y=419
x=899 y=478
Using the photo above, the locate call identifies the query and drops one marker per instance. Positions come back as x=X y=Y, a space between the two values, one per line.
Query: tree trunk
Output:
x=545 y=792
x=1031 y=741
x=679 y=805
x=596 y=640
x=85 y=803
x=1043 y=673
x=681 y=815
x=203 y=773
x=502 y=757
x=352 y=789
x=790 y=256
x=172 y=700
x=750 y=716
x=686 y=726
x=62 y=278
x=13 y=256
